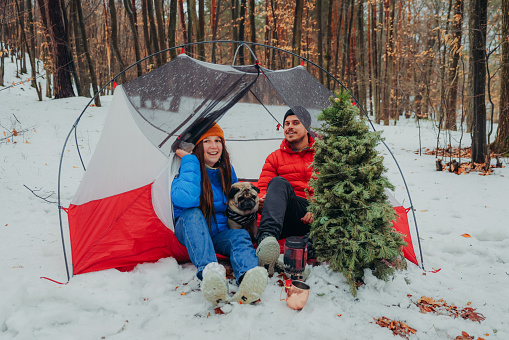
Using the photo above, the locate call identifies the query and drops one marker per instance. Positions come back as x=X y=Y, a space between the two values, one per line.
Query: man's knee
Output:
x=278 y=182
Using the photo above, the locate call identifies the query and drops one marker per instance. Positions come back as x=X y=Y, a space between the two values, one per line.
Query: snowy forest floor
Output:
x=462 y=220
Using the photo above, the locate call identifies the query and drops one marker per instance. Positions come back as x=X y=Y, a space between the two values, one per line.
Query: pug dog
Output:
x=242 y=207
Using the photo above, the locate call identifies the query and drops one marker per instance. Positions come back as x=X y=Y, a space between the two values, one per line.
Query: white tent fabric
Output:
x=130 y=159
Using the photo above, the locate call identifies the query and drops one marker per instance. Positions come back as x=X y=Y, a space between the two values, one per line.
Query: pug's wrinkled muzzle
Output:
x=246 y=203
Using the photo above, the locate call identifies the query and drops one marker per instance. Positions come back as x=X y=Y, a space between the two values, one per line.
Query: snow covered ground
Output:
x=162 y=301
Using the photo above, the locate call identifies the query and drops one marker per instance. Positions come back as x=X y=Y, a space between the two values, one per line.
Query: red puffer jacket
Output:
x=294 y=166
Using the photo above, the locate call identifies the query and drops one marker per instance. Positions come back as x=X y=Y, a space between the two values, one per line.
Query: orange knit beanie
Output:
x=215 y=130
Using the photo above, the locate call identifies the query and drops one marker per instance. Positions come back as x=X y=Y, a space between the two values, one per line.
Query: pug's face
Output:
x=243 y=198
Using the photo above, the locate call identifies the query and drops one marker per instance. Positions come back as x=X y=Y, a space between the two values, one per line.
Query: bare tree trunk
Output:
x=24 y=39
x=172 y=28
x=146 y=34
x=380 y=37
x=443 y=91
x=80 y=53
x=59 y=51
x=297 y=31
x=338 y=34
x=501 y=143
x=214 y=23
x=201 y=29
x=31 y=32
x=361 y=54
x=242 y=22
x=159 y=10
x=72 y=66
x=478 y=12
x=328 y=42
x=153 y=32
x=275 y=36
x=20 y=5
x=2 y=54
x=385 y=96
x=114 y=37
x=252 y=27
x=391 y=111
x=375 y=84
x=345 y=64
x=182 y=21
x=93 y=78
x=429 y=66
x=369 y=77
x=134 y=31
x=452 y=76
x=320 y=37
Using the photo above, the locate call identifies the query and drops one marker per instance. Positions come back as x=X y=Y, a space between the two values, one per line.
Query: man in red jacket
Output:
x=283 y=183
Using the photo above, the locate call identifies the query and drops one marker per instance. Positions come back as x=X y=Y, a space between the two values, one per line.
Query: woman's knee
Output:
x=190 y=217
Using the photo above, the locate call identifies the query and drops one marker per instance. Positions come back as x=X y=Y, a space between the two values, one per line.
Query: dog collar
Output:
x=243 y=220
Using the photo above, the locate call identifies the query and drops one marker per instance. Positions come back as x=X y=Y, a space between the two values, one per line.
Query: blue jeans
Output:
x=193 y=232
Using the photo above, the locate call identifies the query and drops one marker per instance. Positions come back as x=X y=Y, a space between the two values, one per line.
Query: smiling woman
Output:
x=212 y=148
x=199 y=195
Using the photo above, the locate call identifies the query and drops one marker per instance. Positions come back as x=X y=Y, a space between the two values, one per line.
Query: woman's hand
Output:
x=181 y=153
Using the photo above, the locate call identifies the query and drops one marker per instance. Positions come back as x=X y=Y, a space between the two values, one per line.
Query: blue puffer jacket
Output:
x=186 y=191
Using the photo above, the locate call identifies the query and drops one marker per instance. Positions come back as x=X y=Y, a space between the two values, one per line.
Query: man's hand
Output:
x=181 y=153
x=308 y=218
x=261 y=199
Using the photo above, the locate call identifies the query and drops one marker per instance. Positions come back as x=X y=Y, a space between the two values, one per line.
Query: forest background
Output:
x=441 y=60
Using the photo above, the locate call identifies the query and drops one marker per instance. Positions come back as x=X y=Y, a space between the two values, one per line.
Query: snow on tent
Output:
x=121 y=214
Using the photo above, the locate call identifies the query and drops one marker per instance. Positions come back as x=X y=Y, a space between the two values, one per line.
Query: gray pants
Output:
x=282 y=211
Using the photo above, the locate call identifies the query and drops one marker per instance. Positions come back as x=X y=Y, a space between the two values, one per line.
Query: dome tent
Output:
x=121 y=214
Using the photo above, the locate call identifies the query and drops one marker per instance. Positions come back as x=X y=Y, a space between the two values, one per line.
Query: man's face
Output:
x=294 y=131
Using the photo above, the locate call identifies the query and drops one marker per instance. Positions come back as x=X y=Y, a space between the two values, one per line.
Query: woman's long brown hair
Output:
x=224 y=166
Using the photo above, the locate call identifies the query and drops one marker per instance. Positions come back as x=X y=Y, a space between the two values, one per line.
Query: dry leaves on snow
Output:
x=465 y=336
x=428 y=305
x=397 y=327
x=484 y=169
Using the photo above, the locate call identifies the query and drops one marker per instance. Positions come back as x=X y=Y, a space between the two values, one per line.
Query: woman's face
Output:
x=212 y=148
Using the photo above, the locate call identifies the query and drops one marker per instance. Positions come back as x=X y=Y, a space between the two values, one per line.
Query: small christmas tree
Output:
x=352 y=227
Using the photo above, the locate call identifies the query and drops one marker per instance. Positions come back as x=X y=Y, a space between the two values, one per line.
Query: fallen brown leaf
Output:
x=218 y=310
x=397 y=327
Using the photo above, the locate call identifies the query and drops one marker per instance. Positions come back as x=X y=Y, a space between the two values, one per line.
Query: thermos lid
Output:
x=295 y=242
